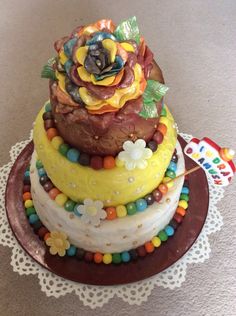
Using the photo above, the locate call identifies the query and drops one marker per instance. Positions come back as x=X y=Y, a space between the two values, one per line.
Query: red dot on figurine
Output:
x=96 y=162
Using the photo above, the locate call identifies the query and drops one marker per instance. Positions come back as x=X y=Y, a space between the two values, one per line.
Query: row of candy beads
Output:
x=119 y=211
x=95 y=162
x=108 y=258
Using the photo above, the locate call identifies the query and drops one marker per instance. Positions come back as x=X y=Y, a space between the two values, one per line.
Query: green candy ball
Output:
x=30 y=211
x=39 y=164
x=63 y=149
x=162 y=235
x=184 y=197
x=69 y=205
x=116 y=258
x=131 y=208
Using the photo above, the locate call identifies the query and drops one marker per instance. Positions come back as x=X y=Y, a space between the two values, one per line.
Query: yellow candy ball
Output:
x=28 y=203
x=107 y=258
x=121 y=211
x=119 y=163
x=56 y=142
x=156 y=241
x=169 y=184
x=61 y=199
x=183 y=204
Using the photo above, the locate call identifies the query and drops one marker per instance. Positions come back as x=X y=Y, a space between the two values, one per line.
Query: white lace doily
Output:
x=97 y=296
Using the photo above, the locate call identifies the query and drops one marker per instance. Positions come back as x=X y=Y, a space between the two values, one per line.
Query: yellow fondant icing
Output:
x=79 y=182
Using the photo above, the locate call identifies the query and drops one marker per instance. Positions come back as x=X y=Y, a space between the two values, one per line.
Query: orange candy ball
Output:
x=46 y=236
x=109 y=162
x=162 y=128
x=163 y=188
x=98 y=257
x=53 y=193
x=111 y=213
x=51 y=133
x=149 y=247
x=181 y=211
x=27 y=196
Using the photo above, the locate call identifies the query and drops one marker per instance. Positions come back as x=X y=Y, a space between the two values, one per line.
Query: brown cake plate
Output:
x=100 y=274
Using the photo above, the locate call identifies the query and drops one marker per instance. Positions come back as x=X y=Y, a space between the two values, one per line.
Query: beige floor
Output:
x=194 y=43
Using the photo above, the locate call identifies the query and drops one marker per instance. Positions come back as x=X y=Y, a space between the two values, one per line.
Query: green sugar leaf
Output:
x=128 y=30
x=149 y=110
x=48 y=71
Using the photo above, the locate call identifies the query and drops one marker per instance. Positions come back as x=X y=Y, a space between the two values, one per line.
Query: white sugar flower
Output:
x=135 y=154
x=92 y=212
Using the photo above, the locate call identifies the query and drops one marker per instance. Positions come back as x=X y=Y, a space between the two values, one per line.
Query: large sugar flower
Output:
x=92 y=212
x=135 y=154
x=58 y=243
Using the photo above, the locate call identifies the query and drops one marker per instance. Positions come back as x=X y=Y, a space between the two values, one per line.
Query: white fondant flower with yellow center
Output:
x=58 y=243
x=135 y=154
x=92 y=212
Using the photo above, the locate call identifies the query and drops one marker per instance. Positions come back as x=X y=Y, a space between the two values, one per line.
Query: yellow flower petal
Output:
x=81 y=54
x=49 y=241
x=53 y=250
x=105 y=82
x=61 y=81
x=84 y=75
x=61 y=252
x=88 y=98
x=62 y=57
x=128 y=47
x=90 y=29
x=110 y=45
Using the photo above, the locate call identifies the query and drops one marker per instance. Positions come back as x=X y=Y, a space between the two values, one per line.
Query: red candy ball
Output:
x=42 y=232
x=26 y=188
x=158 y=137
x=141 y=251
x=157 y=195
x=88 y=256
x=96 y=162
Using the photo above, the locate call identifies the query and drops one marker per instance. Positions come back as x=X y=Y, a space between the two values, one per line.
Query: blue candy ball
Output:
x=141 y=205
x=76 y=210
x=33 y=218
x=48 y=107
x=125 y=256
x=73 y=155
x=71 y=251
x=169 y=230
x=172 y=166
x=27 y=174
x=41 y=172
x=185 y=190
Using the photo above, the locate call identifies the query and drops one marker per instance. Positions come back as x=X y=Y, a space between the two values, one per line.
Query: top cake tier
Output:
x=105 y=87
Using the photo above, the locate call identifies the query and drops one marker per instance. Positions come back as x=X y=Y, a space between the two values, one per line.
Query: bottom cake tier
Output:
x=111 y=236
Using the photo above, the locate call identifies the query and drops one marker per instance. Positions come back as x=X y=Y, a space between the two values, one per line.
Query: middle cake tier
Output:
x=112 y=187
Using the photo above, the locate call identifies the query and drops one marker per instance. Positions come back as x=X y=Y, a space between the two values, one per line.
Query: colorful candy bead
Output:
x=184 y=197
x=39 y=164
x=158 y=137
x=174 y=158
x=149 y=199
x=173 y=223
x=48 y=124
x=162 y=235
x=141 y=251
x=28 y=203
x=107 y=258
x=121 y=211
x=41 y=172
x=152 y=144
x=69 y=205
x=98 y=257
x=36 y=226
x=33 y=218
x=26 y=174
x=116 y=258
x=170 y=174
x=84 y=159
x=111 y=213
x=71 y=251
x=157 y=195
x=80 y=253
x=141 y=205
x=178 y=218
x=61 y=199
x=131 y=208
x=46 y=236
x=183 y=204
x=109 y=162
x=27 y=196
x=162 y=128
x=172 y=166
x=169 y=230
x=42 y=232
x=53 y=193
x=48 y=107
x=168 y=181
x=26 y=181
x=48 y=186
x=96 y=162
x=47 y=115
x=149 y=247
x=76 y=210
x=125 y=256
x=26 y=188
x=181 y=211
x=156 y=241
x=43 y=179
x=163 y=188
x=30 y=210
x=51 y=132
x=88 y=256
x=63 y=149
x=73 y=155
x=57 y=142
x=133 y=254
x=185 y=190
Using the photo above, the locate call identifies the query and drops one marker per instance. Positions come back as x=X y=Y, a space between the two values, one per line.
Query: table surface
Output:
x=194 y=43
